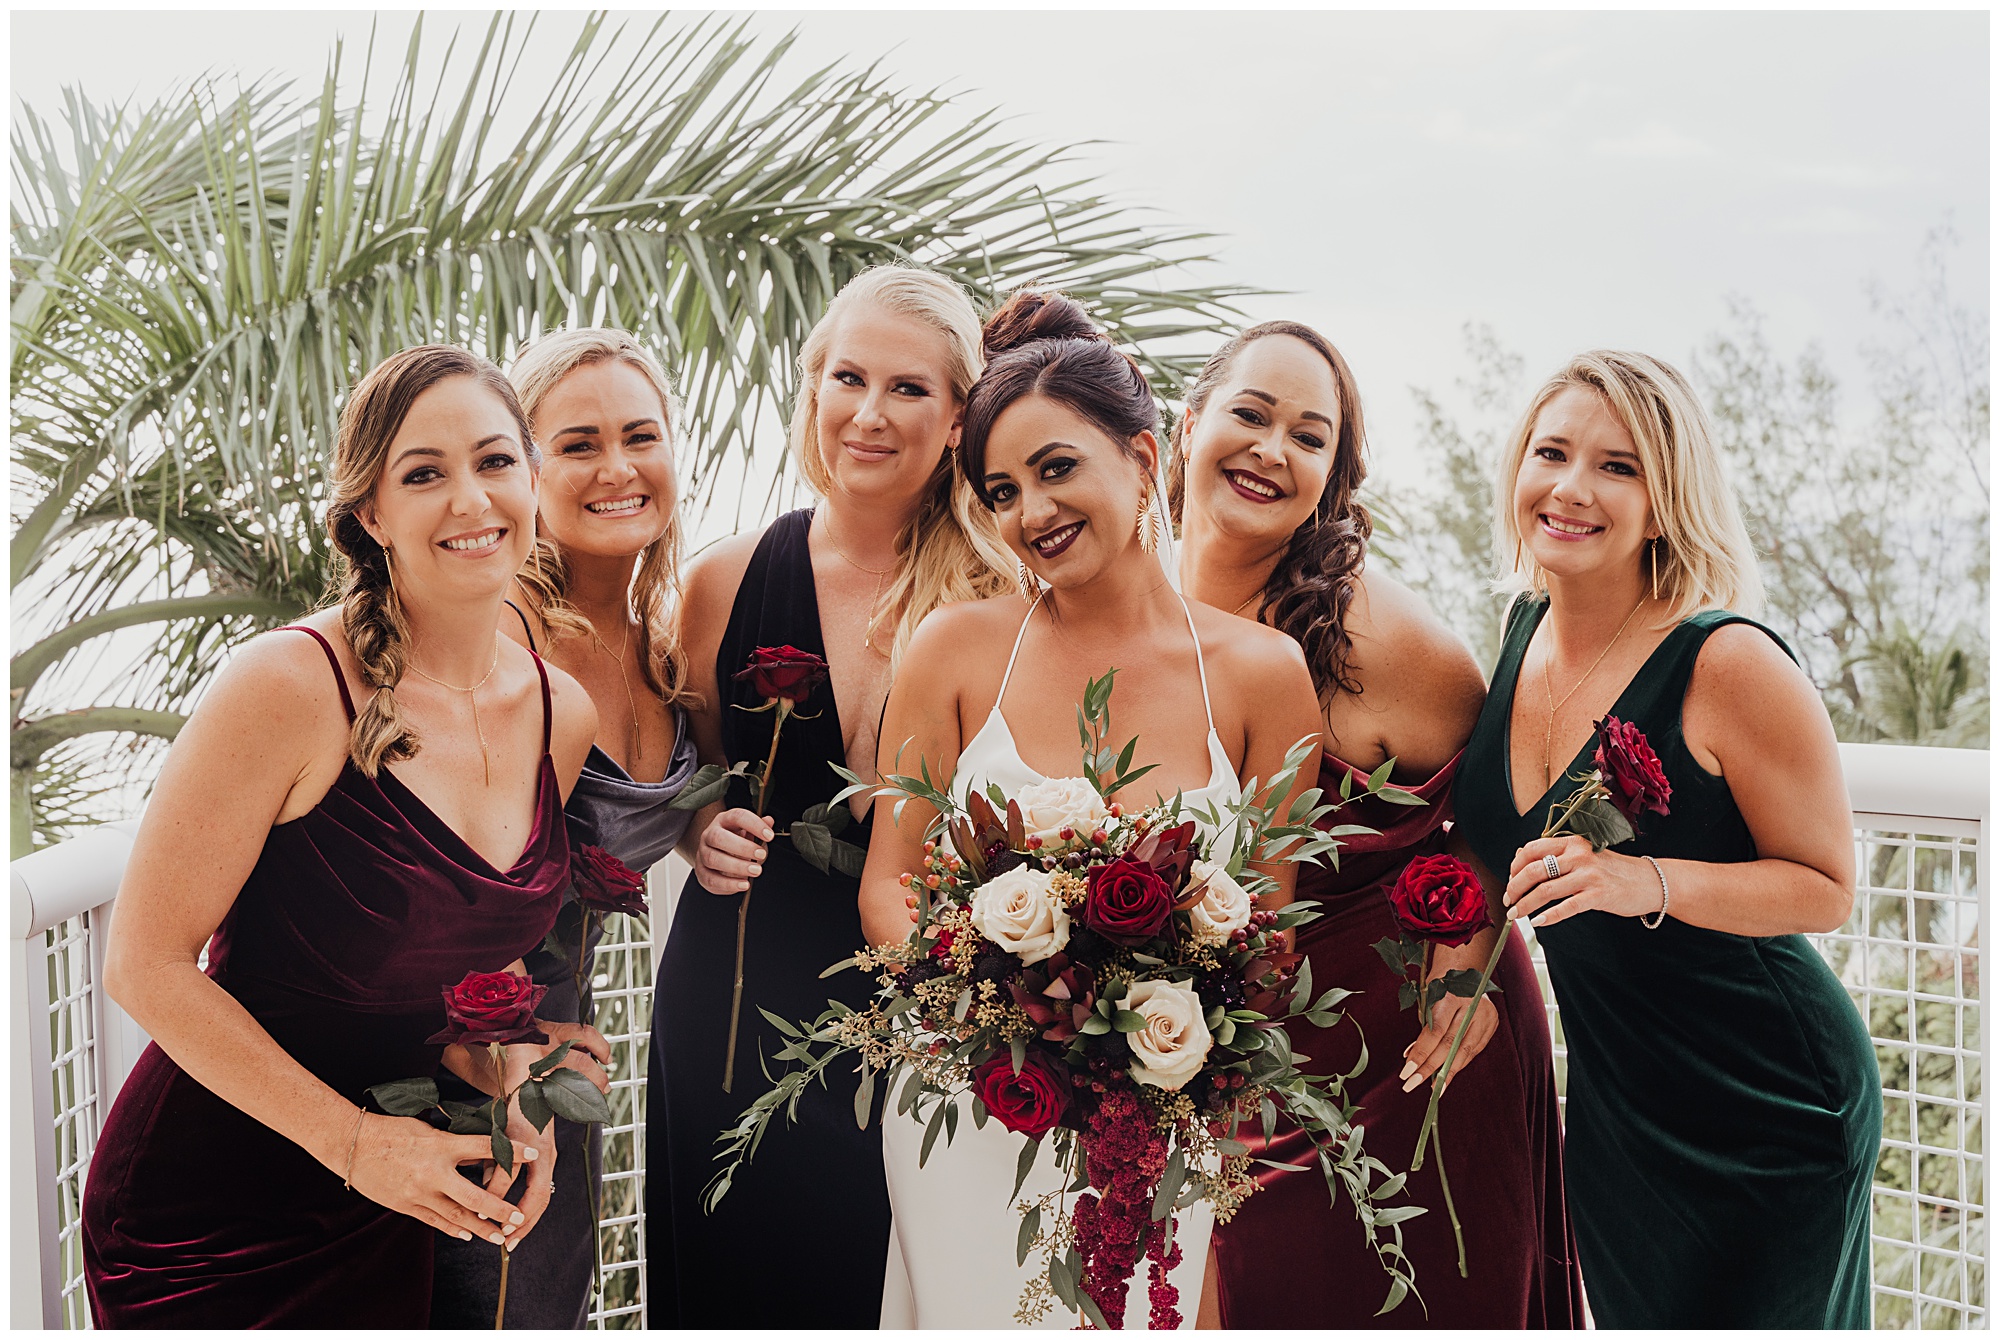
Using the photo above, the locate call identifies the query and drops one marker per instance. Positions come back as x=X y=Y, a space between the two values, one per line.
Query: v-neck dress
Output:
x=800 y=1239
x=355 y=918
x=1725 y=1107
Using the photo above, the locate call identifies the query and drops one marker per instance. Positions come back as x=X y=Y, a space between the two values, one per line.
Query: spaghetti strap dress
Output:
x=1288 y=1258
x=548 y=1279
x=1725 y=1107
x=800 y=1239
x=356 y=917
x=954 y=1262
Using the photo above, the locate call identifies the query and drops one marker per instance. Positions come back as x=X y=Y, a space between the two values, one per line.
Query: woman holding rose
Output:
x=595 y=599
x=831 y=593
x=343 y=867
x=1724 y=1102
x=1060 y=442
x=1268 y=459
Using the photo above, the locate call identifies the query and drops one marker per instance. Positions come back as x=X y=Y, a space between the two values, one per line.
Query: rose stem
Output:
x=1437 y=1143
x=499 y=1122
x=500 y=1312
x=1424 y=987
x=1464 y=1024
x=743 y=908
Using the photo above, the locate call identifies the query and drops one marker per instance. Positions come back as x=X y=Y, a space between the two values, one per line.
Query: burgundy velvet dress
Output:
x=1287 y=1259
x=355 y=918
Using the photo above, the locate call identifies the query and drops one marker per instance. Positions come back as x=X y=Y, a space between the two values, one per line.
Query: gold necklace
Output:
x=473 y=693
x=1548 y=685
x=868 y=637
x=633 y=742
x=1246 y=601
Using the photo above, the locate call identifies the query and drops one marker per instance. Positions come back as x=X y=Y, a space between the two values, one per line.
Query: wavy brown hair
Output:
x=656 y=580
x=1308 y=593
x=371 y=615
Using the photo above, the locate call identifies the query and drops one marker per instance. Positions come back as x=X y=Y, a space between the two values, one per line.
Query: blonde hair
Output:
x=951 y=548
x=371 y=613
x=544 y=578
x=1703 y=554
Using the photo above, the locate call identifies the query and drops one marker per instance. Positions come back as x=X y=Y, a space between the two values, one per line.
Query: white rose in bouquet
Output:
x=1170 y=1049
x=1048 y=807
x=1018 y=912
x=1224 y=908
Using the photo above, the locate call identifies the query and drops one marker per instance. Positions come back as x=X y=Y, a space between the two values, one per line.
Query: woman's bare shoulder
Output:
x=716 y=570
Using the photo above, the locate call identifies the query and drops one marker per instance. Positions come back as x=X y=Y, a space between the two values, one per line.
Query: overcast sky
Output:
x=1571 y=179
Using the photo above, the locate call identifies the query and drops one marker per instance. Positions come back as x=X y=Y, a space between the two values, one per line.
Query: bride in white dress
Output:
x=1059 y=441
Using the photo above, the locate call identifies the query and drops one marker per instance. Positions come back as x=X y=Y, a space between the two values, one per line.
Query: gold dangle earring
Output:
x=1148 y=541
x=1653 y=557
x=1031 y=585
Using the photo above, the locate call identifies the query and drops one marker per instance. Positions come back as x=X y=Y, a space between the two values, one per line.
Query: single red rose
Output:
x=1128 y=904
x=1631 y=770
x=784 y=672
x=606 y=884
x=1031 y=1103
x=491 y=1007
x=1438 y=898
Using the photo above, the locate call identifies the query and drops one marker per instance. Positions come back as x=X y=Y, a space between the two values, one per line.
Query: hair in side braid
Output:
x=371 y=614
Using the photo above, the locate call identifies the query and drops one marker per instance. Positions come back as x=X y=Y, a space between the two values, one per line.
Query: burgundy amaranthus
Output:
x=1125 y=1156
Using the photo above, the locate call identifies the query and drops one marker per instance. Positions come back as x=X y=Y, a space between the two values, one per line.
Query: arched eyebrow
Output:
x=1272 y=401
x=1559 y=440
x=480 y=445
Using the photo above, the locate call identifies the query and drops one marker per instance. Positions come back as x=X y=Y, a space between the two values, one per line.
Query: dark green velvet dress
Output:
x=1725 y=1107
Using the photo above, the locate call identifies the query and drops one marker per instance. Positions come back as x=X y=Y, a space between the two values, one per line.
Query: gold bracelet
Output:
x=1661 y=915
x=347 y=1182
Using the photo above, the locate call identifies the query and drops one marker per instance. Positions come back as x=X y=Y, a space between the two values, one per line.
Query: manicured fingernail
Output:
x=464 y=1236
x=756 y=871
x=1412 y=1083
x=1408 y=1070
x=770 y=833
x=529 y=1154
x=498 y=1238
x=518 y=1218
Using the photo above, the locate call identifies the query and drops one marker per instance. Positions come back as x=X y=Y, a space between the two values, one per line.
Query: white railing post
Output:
x=36 y=1276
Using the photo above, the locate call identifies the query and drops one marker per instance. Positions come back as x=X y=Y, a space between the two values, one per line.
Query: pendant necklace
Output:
x=485 y=763
x=867 y=638
x=1548 y=685
x=633 y=743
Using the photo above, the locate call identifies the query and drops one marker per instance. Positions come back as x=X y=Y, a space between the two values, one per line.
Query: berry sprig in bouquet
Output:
x=1111 y=985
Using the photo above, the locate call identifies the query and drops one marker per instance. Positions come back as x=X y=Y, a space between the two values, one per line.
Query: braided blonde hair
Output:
x=371 y=615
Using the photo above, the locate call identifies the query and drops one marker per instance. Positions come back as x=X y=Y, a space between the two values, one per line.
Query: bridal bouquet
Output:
x=1104 y=983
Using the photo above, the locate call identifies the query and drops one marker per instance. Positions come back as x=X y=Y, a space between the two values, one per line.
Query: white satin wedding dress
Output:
x=953 y=1236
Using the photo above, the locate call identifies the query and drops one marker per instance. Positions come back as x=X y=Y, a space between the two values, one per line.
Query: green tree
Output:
x=195 y=283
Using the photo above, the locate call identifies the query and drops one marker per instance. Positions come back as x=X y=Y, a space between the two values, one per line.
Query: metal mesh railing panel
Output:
x=623 y=988
x=66 y=959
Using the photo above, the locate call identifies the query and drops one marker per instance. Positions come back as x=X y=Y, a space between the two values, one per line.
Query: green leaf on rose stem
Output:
x=814 y=843
x=709 y=783
x=1434 y=990
x=1600 y=823
x=1465 y=982
x=1170 y=1184
x=467 y=1119
x=535 y=1105
x=1022 y=1165
x=503 y=1149
x=864 y=1098
x=815 y=814
x=575 y=1098
x=1391 y=950
x=848 y=859
x=406 y=1097
x=550 y=1062
x=931 y=1133
x=1406 y=995
x=838 y=818
x=1031 y=1224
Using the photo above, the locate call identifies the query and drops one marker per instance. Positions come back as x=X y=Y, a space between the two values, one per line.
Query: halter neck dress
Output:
x=548 y=1279
x=1288 y=1258
x=355 y=918
x=953 y=1242
x=798 y=1241
x=1725 y=1107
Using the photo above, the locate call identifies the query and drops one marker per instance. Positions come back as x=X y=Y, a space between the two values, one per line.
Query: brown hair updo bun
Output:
x=1043 y=343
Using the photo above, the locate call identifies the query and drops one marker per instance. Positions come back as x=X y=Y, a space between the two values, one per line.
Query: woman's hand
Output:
x=412 y=1168
x=534 y=1157
x=1590 y=881
x=589 y=1055
x=1422 y=1058
x=732 y=851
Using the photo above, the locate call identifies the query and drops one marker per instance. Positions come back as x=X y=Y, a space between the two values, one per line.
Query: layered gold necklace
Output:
x=472 y=693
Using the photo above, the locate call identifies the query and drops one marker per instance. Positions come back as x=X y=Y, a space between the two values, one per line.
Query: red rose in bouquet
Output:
x=784 y=673
x=1438 y=898
x=1030 y=1103
x=1128 y=903
x=1631 y=770
x=488 y=1007
x=606 y=884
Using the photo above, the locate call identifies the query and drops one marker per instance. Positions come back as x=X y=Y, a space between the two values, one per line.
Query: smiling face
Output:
x=885 y=413
x=1066 y=495
x=455 y=506
x=607 y=486
x=1580 y=499
x=1261 y=449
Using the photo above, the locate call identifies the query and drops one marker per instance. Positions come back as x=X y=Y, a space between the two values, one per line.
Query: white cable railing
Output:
x=1910 y=955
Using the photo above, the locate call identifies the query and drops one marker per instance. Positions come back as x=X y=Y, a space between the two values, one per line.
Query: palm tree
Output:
x=195 y=283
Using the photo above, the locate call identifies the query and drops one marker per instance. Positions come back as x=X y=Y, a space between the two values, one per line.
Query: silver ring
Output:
x=1549 y=865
